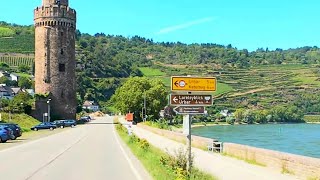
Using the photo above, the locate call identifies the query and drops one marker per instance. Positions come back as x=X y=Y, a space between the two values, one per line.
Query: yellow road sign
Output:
x=186 y=83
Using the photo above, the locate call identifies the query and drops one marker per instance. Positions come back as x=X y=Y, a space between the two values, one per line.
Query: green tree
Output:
x=24 y=82
x=239 y=115
x=130 y=96
x=248 y=116
x=5 y=67
x=24 y=68
x=4 y=80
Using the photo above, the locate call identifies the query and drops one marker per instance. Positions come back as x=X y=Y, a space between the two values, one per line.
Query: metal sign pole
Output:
x=187 y=132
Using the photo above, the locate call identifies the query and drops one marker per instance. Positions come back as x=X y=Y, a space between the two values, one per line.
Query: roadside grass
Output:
x=152 y=159
x=23 y=120
x=150 y=72
x=23 y=75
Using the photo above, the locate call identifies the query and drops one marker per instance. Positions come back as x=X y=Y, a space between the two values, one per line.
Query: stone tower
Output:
x=55 y=83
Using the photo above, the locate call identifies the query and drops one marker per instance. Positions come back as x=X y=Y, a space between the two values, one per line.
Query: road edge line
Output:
x=135 y=172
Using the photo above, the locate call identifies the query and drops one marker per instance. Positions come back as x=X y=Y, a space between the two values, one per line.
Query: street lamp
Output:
x=48 y=102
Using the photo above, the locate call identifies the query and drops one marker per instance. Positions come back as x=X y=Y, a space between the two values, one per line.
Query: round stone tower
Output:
x=55 y=83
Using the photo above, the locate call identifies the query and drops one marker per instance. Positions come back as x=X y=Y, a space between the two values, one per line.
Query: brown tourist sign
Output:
x=189 y=110
x=190 y=100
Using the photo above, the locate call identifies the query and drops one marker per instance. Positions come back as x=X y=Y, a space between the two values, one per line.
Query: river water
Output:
x=302 y=139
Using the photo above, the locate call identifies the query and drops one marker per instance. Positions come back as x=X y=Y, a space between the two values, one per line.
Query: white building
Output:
x=90 y=105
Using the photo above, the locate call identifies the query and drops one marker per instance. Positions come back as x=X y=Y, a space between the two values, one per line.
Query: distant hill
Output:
x=20 y=39
x=16 y=39
x=258 y=79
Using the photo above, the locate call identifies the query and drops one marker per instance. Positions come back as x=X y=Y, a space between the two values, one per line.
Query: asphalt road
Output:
x=88 y=152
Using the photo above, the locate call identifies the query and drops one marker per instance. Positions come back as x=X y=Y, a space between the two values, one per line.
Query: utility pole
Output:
x=144 y=106
x=48 y=109
x=187 y=132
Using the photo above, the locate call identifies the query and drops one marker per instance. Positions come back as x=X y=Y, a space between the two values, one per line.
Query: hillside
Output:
x=256 y=80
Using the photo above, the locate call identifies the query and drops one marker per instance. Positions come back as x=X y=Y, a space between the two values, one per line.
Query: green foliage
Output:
x=149 y=72
x=22 y=102
x=312 y=118
x=5 y=67
x=130 y=96
x=24 y=121
x=230 y=120
x=24 y=83
x=24 y=68
x=4 y=80
x=274 y=114
x=41 y=96
x=19 y=39
x=6 y=32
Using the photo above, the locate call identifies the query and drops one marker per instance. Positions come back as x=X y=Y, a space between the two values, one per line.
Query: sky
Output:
x=245 y=24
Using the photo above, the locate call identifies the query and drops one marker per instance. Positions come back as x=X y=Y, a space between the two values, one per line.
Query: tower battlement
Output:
x=52 y=2
x=55 y=15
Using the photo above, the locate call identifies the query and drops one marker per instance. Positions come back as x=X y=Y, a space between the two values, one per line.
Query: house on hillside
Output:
x=14 y=77
x=17 y=90
x=6 y=92
x=91 y=106
x=5 y=73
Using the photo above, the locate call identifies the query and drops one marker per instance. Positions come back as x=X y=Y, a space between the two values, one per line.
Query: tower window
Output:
x=61 y=51
x=62 y=67
x=61 y=33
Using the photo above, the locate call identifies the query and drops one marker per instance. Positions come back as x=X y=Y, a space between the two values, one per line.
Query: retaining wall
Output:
x=301 y=166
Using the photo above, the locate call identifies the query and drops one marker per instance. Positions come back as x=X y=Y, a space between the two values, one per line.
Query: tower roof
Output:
x=53 y=2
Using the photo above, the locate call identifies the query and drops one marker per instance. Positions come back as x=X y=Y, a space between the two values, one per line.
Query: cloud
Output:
x=184 y=25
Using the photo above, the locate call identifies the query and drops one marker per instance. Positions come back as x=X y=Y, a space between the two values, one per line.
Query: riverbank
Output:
x=300 y=166
x=223 y=167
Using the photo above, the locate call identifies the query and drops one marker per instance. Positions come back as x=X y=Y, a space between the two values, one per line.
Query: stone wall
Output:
x=197 y=141
x=301 y=166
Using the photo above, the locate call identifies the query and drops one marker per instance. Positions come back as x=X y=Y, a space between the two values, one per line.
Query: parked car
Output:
x=17 y=132
x=70 y=123
x=46 y=125
x=59 y=123
x=84 y=119
x=5 y=133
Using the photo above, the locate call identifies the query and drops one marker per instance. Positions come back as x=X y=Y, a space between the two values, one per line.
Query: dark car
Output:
x=59 y=123
x=84 y=119
x=70 y=123
x=46 y=125
x=17 y=132
x=5 y=133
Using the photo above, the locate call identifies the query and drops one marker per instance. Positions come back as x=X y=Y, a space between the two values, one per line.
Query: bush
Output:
x=144 y=144
x=177 y=162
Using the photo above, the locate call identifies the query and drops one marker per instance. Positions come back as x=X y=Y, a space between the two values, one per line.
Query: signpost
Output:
x=189 y=110
x=186 y=83
x=191 y=104
x=190 y=100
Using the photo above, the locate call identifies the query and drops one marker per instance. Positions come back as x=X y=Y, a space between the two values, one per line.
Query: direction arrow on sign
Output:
x=190 y=100
x=186 y=83
x=189 y=110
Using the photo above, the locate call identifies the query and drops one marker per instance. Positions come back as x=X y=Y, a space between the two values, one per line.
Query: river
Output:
x=302 y=139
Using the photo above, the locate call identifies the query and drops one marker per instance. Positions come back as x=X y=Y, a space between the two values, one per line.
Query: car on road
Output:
x=70 y=123
x=45 y=125
x=17 y=132
x=85 y=119
x=59 y=123
x=65 y=123
x=5 y=134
